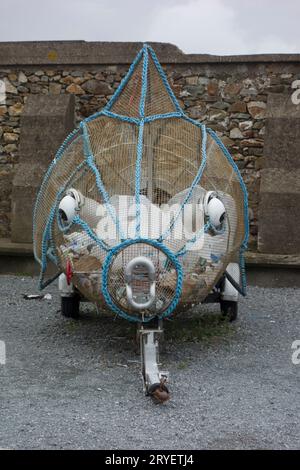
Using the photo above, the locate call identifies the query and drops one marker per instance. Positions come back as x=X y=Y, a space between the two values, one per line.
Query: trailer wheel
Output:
x=229 y=309
x=70 y=306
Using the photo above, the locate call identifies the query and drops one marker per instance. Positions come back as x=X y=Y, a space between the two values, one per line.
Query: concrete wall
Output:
x=230 y=94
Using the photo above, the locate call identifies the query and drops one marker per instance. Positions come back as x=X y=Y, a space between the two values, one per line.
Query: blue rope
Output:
x=52 y=256
x=56 y=159
x=120 y=117
x=94 y=116
x=144 y=83
x=191 y=242
x=154 y=117
x=165 y=80
x=101 y=188
x=125 y=80
x=49 y=281
x=105 y=271
x=48 y=247
x=47 y=238
x=192 y=121
x=194 y=183
x=78 y=221
x=47 y=235
x=226 y=153
x=63 y=227
x=245 y=194
x=139 y=156
x=138 y=170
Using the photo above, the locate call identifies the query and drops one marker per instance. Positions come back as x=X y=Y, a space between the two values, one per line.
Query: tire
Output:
x=229 y=309
x=70 y=306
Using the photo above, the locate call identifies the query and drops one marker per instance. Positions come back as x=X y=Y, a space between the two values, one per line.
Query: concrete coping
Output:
x=39 y=53
x=7 y=247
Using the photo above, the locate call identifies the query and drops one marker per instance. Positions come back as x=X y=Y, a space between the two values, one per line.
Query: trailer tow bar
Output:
x=154 y=380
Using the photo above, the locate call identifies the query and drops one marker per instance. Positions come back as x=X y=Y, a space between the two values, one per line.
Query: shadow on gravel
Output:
x=198 y=328
x=190 y=327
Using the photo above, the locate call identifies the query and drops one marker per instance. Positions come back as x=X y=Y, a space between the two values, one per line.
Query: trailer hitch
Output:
x=153 y=379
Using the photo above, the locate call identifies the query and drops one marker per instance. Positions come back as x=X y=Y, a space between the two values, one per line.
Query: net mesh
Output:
x=157 y=98
x=166 y=278
x=138 y=153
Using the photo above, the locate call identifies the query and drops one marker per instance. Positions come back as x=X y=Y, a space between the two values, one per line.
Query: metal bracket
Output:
x=140 y=269
x=154 y=380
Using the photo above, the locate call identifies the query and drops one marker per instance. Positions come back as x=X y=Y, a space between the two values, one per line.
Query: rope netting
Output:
x=139 y=173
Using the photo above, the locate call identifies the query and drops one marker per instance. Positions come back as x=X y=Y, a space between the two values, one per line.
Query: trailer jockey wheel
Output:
x=229 y=309
x=70 y=306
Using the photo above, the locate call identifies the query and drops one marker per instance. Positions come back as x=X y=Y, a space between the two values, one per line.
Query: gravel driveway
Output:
x=76 y=384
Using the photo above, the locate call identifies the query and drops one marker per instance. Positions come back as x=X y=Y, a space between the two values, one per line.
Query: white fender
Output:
x=67 y=209
x=214 y=209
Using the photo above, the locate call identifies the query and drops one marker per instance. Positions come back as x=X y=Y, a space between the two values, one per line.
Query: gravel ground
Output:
x=76 y=384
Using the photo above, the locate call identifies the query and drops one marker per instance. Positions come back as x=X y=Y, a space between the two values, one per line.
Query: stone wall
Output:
x=228 y=93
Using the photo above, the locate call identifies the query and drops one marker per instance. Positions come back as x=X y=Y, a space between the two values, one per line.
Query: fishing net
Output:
x=139 y=177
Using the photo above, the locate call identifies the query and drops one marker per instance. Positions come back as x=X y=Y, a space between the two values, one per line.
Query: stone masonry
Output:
x=229 y=94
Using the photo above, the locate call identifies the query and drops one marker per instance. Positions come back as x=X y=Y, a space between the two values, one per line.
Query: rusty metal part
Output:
x=159 y=392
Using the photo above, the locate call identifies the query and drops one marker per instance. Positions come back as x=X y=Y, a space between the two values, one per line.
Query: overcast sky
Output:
x=195 y=26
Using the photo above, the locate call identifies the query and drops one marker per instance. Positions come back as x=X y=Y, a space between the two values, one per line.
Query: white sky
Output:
x=195 y=26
